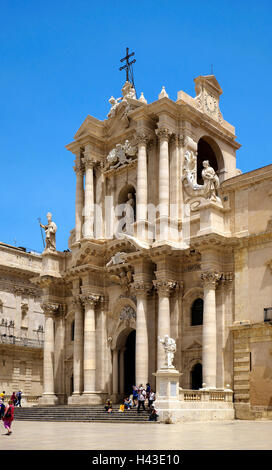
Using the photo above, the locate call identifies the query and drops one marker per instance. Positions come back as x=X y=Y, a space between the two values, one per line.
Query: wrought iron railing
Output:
x=20 y=341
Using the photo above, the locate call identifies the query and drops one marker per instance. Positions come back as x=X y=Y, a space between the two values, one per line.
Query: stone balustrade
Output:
x=205 y=395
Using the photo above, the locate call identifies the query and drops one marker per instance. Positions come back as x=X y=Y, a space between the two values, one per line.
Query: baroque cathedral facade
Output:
x=169 y=239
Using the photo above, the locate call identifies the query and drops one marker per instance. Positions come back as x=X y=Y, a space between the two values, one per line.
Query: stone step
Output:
x=86 y=413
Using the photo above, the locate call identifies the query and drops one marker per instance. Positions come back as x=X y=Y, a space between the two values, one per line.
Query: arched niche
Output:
x=208 y=149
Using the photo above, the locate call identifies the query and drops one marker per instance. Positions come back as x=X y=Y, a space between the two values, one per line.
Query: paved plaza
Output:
x=230 y=435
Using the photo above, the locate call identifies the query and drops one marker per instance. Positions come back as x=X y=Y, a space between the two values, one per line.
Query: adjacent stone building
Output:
x=169 y=238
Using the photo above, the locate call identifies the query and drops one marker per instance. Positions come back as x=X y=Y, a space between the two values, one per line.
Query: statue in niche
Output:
x=207 y=190
x=211 y=181
x=50 y=230
x=129 y=214
x=170 y=348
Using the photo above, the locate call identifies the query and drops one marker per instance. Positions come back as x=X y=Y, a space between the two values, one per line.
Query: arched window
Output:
x=197 y=312
x=207 y=149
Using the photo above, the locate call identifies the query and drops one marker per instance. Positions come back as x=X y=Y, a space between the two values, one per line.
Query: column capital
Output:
x=141 y=288
x=50 y=308
x=88 y=163
x=227 y=280
x=163 y=133
x=210 y=279
x=90 y=299
x=143 y=137
x=78 y=168
x=165 y=288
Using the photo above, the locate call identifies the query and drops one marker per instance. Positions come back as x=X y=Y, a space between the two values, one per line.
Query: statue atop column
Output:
x=170 y=348
x=50 y=231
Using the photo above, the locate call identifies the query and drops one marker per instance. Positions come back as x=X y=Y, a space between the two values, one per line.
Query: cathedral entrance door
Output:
x=129 y=363
x=196 y=377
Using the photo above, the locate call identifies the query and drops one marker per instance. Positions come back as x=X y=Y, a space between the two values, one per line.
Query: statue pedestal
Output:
x=211 y=218
x=167 y=394
x=48 y=399
x=50 y=263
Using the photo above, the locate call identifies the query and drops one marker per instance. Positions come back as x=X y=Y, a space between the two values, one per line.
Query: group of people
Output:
x=7 y=410
x=139 y=397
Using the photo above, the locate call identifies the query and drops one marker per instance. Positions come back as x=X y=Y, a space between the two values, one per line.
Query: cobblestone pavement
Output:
x=228 y=435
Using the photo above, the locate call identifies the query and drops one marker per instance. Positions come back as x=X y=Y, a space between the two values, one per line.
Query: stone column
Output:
x=59 y=354
x=141 y=290
x=88 y=231
x=89 y=362
x=79 y=199
x=49 y=396
x=210 y=280
x=78 y=347
x=115 y=372
x=141 y=193
x=164 y=288
x=163 y=135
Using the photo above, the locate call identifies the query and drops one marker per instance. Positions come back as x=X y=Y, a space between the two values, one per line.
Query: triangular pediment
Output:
x=90 y=127
x=194 y=345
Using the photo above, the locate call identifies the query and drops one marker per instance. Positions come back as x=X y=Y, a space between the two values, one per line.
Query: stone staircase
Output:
x=80 y=414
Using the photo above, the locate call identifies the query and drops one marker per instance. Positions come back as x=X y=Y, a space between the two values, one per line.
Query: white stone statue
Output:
x=128 y=91
x=129 y=214
x=211 y=181
x=114 y=104
x=207 y=190
x=50 y=231
x=170 y=347
x=120 y=155
x=118 y=258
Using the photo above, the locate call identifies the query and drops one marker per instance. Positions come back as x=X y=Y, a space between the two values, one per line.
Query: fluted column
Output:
x=164 y=288
x=88 y=231
x=163 y=135
x=141 y=290
x=79 y=170
x=49 y=397
x=210 y=280
x=78 y=347
x=141 y=193
x=89 y=362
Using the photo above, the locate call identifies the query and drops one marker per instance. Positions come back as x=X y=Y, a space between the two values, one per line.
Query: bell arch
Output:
x=208 y=149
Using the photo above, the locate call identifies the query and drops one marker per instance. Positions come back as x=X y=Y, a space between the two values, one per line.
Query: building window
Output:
x=72 y=331
x=197 y=312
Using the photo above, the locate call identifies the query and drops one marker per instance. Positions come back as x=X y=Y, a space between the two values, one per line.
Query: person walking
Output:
x=135 y=395
x=141 y=398
x=3 y=395
x=19 y=398
x=13 y=398
x=8 y=417
x=2 y=408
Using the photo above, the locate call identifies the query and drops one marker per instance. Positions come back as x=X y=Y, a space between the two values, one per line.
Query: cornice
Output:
x=247 y=179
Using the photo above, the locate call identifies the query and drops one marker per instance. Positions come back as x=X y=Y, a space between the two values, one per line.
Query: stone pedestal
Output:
x=51 y=264
x=211 y=218
x=167 y=394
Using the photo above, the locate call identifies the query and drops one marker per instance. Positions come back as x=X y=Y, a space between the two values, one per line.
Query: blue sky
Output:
x=60 y=62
